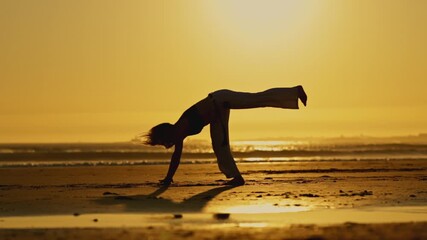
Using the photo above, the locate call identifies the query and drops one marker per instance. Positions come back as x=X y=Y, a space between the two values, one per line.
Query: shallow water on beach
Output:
x=284 y=217
x=200 y=152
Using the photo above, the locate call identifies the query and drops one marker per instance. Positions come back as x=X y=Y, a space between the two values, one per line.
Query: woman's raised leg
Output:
x=274 y=97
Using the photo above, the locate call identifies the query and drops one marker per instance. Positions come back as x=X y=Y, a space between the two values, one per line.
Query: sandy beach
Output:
x=300 y=200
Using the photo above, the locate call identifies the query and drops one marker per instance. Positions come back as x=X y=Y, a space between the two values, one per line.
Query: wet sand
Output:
x=285 y=189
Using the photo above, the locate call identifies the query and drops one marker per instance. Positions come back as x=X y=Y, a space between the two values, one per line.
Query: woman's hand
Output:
x=166 y=182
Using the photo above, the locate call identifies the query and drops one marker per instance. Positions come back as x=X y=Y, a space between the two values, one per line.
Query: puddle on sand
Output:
x=239 y=216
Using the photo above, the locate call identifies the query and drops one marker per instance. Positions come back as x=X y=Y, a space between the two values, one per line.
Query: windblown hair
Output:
x=160 y=134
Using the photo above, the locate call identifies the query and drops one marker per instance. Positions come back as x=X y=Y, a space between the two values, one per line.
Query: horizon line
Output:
x=290 y=138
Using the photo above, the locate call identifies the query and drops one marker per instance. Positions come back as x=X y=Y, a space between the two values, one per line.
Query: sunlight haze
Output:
x=85 y=71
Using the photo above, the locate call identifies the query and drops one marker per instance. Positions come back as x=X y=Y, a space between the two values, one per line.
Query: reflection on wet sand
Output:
x=207 y=220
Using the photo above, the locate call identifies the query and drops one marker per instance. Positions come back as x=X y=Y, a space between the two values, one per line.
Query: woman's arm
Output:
x=173 y=165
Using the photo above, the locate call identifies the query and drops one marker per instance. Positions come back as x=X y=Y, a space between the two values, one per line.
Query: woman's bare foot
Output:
x=237 y=181
x=301 y=95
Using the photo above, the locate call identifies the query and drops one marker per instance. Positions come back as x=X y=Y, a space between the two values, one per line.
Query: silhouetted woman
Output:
x=215 y=110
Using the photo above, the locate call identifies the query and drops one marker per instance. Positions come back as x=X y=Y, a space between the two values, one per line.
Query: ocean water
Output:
x=200 y=152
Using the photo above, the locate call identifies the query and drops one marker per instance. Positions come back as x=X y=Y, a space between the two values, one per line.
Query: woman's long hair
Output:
x=159 y=135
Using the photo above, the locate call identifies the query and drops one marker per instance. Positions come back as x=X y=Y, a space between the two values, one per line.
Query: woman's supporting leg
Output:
x=221 y=147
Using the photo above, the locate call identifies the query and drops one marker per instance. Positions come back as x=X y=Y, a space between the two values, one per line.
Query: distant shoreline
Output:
x=420 y=138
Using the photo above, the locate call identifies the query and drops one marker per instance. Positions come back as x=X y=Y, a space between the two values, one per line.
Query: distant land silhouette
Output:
x=420 y=138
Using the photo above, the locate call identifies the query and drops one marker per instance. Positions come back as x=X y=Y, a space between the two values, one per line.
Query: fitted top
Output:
x=195 y=120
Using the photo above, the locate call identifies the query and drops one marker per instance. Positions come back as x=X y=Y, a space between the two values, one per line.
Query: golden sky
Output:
x=99 y=70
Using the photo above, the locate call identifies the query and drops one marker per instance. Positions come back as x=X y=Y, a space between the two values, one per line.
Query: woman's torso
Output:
x=197 y=116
